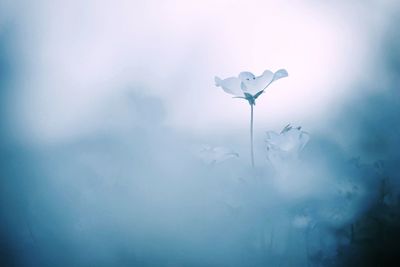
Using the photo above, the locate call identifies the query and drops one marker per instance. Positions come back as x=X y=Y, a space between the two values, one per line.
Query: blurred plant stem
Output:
x=251 y=136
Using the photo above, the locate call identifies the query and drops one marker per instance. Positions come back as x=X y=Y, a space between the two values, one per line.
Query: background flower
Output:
x=287 y=144
x=214 y=155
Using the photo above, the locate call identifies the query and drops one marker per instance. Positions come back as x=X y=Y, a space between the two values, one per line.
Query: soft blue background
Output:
x=104 y=106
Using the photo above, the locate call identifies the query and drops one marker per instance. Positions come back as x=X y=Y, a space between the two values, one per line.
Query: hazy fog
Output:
x=117 y=149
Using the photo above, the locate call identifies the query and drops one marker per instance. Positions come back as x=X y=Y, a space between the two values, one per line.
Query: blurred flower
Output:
x=247 y=85
x=214 y=155
x=287 y=144
x=301 y=221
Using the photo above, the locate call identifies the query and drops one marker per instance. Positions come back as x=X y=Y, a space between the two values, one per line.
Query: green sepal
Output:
x=258 y=94
x=250 y=98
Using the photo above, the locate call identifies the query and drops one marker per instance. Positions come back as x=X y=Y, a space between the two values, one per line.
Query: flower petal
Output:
x=304 y=138
x=230 y=85
x=214 y=155
x=254 y=84
x=288 y=143
x=246 y=75
x=282 y=73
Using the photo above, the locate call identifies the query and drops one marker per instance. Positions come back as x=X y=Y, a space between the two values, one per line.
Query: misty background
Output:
x=117 y=149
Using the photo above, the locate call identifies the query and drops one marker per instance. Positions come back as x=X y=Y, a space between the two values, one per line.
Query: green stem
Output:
x=251 y=136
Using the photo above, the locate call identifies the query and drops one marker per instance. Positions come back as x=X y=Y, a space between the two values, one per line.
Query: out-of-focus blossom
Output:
x=214 y=155
x=301 y=221
x=249 y=86
x=287 y=144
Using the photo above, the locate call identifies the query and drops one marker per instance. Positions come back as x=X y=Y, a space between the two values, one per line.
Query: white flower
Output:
x=287 y=144
x=215 y=155
x=247 y=85
x=301 y=221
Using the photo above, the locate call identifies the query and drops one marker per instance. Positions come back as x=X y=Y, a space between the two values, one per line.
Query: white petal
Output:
x=215 y=155
x=290 y=139
x=256 y=84
x=271 y=135
x=268 y=74
x=274 y=139
x=304 y=138
x=246 y=75
x=230 y=85
x=282 y=73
